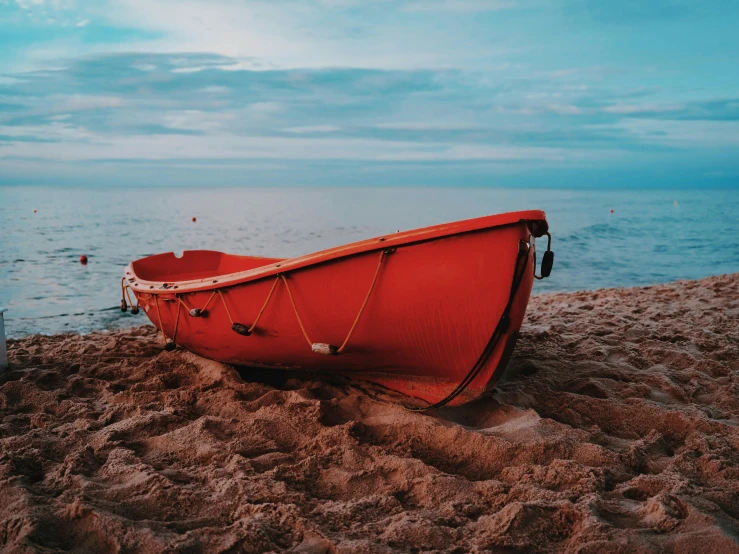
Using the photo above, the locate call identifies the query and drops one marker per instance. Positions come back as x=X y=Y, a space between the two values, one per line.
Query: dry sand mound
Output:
x=616 y=430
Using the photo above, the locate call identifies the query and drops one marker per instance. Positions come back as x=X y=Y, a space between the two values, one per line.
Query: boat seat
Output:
x=195 y=264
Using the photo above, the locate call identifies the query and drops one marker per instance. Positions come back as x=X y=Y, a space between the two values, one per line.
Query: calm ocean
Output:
x=652 y=236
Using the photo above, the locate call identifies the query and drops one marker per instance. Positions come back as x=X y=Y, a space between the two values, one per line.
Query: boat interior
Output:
x=194 y=265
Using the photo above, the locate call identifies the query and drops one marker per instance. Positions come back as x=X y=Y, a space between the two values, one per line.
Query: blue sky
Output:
x=376 y=92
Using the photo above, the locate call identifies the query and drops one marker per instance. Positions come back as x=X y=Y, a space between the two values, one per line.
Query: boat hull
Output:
x=433 y=306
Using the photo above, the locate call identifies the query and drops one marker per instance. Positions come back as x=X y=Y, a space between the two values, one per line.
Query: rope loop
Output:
x=126 y=292
x=169 y=345
x=236 y=327
x=264 y=306
x=295 y=309
x=330 y=349
x=366 y=298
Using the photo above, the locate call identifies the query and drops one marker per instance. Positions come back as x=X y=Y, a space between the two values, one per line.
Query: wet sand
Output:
x=616 y=429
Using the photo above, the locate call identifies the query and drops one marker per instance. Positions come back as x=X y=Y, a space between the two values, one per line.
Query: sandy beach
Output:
x=616 y=429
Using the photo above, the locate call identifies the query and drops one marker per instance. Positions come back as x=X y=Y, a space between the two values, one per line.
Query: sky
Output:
x=565 y=93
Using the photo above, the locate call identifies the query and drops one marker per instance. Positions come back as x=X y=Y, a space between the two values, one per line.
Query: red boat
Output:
x=433 y=313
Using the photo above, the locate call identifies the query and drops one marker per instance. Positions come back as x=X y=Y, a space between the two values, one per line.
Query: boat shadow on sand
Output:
x=326 y=386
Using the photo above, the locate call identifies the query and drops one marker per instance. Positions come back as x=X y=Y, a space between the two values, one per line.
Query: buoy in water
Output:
x=34 y=211
x=675 y=203
x=194 y=219
x=83 y=259
x=611 y=211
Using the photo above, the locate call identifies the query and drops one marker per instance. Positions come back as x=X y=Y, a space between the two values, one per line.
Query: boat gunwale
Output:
x=396 y=240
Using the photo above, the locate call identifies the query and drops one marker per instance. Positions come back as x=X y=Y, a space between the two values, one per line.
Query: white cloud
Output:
x=82 y=102
x=264 y=108
x=215 y=89
x=264 y=34
x=566 y=109
x=10 y=80
x=190 y=69
x=643 y=108
x=248 y=65
x=428 y=126
x=232 y=29
x=82 y=146
x=312 y=129
x=55 y=130
x=690 y=134
x=460 y=5
x=196 y=120
x=28 y=4
x=523 y=110
x=83 y=23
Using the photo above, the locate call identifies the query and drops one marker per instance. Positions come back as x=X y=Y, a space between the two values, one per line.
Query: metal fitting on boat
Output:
x=197 y=312
x=241 y=329
x=548 y=260
x=325 y=349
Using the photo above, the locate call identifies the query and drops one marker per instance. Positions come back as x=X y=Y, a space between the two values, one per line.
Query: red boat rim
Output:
x=275 y=266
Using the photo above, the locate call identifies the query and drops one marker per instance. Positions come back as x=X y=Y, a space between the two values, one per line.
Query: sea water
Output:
x=601 y=238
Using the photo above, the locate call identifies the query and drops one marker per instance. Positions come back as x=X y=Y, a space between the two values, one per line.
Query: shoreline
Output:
x=615 y=428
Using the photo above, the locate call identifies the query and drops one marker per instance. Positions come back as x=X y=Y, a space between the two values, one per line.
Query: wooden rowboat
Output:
x=433 y=313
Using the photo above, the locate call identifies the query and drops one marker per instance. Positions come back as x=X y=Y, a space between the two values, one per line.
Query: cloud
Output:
x=278 y=34
x=638 y=109
x=460 y=5
x=223 y=147
x=355 y=84
x=29 y=4
x=215 y=89
x=264 y=108
x=719 y=135
x=429 y=126
x=81 y=102
x=419 y=115
x=54 y=131
x=566 y=109
x=310 y=129
x=144 y=109
x=709 y=110
x=195 y=121
x=653 y=11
